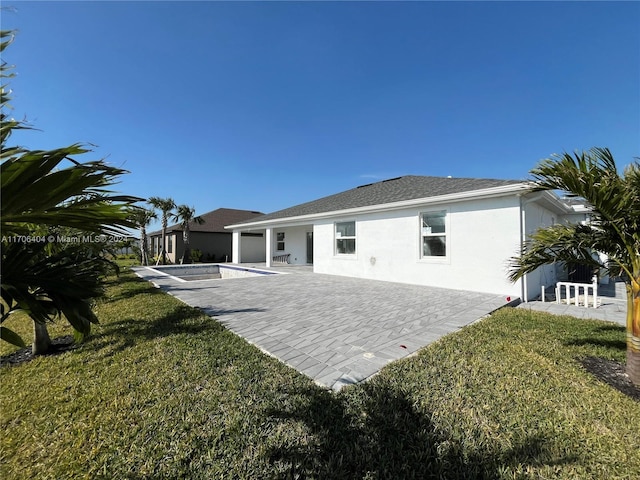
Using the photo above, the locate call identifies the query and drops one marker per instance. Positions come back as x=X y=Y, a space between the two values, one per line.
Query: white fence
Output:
x=577 y=300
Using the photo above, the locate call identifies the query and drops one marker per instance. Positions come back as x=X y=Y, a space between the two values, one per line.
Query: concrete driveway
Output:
x=336 y=330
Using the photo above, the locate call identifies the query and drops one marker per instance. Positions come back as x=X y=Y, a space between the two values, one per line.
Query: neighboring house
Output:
x=210 y=238
x=454 y=233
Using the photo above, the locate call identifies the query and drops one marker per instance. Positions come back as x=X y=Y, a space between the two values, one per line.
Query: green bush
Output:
x=196 y=255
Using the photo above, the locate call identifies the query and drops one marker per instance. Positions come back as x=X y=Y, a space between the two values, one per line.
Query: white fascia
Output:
x=582 y=208
x=548 y=199
x=518 y=188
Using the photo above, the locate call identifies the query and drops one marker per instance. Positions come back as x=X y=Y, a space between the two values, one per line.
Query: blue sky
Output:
x=263 y=105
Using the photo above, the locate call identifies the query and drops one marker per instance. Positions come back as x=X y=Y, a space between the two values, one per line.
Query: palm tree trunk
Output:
x=144 y=248
x=187 y=247
x=164 y=240
x=41 y=339
x=633 y=329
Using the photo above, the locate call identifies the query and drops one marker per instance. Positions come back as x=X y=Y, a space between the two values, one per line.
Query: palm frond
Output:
x=165 y=205
x=142 y=216
x=32 y=191
x=591 y=175
x=186 y=214
x=559 y=243
x=614 y=199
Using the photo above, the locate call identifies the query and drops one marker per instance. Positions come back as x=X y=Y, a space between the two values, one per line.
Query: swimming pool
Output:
x=209 y=271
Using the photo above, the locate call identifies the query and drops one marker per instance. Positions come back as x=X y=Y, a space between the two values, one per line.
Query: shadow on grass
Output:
x=123 y=334
x=598 y=342
x=612 y=373
x=607 y=336
x=134 y=286
x=384 y=436
x=611 y=328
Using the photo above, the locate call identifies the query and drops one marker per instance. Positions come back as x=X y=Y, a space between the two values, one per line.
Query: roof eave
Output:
x=517 y=188
x=554 y=203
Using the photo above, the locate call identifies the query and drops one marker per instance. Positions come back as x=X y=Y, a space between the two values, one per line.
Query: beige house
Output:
x=209 y=237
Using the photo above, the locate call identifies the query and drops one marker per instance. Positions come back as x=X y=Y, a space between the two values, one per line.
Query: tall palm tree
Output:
x=614 y=228
x=185 y=215
x=166 y=207
x=143 y=217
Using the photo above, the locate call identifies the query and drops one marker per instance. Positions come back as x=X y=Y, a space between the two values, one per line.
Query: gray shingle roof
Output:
x=399 y=189
x=215 y=221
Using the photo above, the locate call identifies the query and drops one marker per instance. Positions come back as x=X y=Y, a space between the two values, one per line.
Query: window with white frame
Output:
x=345 y=238
x=280 y=241
x=169 y=243
x=434 y=234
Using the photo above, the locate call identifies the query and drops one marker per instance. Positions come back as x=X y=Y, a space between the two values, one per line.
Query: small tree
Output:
x=185 y=215
x=614 y=228
x=166 y=207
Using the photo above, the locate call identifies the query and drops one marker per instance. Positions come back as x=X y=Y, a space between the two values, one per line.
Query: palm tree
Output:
x=166 y=206
x=185 y=215
x=143 y=217
x=614 y=228
x=44 y=194
x=41 y=204
x=49 y=281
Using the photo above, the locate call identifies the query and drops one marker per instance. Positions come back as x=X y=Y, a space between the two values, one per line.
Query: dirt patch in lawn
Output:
x=58 y=345
x=612 y=373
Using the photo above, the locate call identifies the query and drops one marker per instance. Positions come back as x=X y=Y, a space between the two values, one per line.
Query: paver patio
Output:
x=336 y=330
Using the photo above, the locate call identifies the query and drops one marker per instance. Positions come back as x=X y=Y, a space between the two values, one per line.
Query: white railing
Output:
x=568 y=286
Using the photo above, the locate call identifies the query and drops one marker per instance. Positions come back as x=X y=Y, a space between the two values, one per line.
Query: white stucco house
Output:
x=454 y=233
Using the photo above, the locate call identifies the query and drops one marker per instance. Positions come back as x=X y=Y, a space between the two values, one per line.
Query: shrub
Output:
x=196 y=255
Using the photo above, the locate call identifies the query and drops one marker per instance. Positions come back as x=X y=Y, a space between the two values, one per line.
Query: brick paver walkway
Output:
x=336 y=330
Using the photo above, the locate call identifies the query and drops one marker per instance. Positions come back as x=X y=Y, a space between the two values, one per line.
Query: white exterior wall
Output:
x=253 y=249
x=482 y=236
x=295 y=243
x=535 y=217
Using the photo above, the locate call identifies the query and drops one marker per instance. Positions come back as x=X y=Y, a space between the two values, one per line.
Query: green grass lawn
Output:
x=162 y=391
